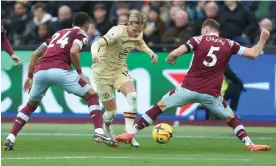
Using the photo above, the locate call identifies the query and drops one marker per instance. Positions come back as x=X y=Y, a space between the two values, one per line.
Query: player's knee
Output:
x=89 y=93
x=162 y=105
x=229 y=117
x=92 y=99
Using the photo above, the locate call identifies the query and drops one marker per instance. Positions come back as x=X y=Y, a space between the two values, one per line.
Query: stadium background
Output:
x=152 y=81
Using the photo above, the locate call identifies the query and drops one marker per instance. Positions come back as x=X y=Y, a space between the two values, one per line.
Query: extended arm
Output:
x=96 y=46
x=142 y=46
x=6 y=45
x=110 y=37
x=37 y=53
x=254 y=52
x=176 y=53
x=75 y=57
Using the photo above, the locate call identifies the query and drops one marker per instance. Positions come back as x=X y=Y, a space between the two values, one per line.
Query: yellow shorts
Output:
x=106 y=85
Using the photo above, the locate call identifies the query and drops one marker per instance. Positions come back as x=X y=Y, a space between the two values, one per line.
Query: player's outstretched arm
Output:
x=95 y=47
x=75 y=57
x=142 y=46
x=37 y=53
x=172 y=57
x=254 y=52
x=6 y=45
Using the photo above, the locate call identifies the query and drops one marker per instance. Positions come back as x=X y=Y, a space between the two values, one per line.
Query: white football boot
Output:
x=109 y=131
x=134 y=143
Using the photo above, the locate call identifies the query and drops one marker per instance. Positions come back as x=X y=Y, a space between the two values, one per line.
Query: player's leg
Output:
x=174 y=98
x=219 y=106
x=71 y=82
x=124 y=83
x=39 y=89
x=106 y=93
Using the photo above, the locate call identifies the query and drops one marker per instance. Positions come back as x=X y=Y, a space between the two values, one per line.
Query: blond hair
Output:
x=137 y=18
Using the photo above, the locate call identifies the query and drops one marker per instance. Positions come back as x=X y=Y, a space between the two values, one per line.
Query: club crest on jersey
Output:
x=123 y=55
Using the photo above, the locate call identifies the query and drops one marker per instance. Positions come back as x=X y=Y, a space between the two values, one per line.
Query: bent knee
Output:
x=89 y=93
x=230 y=116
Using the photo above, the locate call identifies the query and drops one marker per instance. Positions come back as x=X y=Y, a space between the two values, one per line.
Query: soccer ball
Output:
x=162 y=133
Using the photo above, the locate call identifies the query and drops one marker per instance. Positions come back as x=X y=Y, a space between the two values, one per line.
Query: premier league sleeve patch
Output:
x=112 y=35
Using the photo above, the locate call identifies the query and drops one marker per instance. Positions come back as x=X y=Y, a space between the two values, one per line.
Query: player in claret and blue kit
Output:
x=203 y=81
x=51 y=65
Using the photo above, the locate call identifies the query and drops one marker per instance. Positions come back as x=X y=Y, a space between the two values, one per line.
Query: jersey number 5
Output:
x=211 y=55
x=62 y=41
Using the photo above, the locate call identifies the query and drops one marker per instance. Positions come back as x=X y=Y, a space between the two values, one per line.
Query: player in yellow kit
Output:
x=110 y=70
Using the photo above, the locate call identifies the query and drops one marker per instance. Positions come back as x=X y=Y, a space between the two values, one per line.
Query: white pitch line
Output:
x=142 y=136
x=123 y=157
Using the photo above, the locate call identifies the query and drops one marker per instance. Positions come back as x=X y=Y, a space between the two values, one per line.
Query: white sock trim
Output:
x=23 y=116
x=147 y=118
x=94 y=107
x=238 y=128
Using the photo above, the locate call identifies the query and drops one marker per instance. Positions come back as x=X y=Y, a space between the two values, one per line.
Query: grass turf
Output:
x=71 y=145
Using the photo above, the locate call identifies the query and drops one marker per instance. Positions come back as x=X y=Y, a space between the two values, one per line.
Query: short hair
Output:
x=64 y=7
x=80 y=19
x=99 y=6
x=121 y=5
x=40 y=5
x=21 y=3
x=212 y=24
x=137 y=18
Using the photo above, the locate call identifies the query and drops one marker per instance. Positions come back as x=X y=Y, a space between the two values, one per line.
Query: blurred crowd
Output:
x=174 y=22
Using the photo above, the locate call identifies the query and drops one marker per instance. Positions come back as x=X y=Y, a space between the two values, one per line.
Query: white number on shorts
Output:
x=213 y=56
x=62 y=41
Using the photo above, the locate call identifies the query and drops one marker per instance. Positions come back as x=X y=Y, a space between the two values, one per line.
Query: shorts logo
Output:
x=105 y=95
x=123 y=55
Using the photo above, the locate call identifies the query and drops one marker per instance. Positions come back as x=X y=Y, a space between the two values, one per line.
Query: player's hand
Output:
x=28 y=85
x=95 y=58
x=264 y=34
x=170 y=62
x=154 y=58
x=16 y=59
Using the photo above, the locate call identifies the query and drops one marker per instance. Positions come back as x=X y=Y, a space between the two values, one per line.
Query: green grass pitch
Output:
x=72 y=145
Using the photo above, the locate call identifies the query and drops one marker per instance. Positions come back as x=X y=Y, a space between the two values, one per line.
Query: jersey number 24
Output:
x=62 y=41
